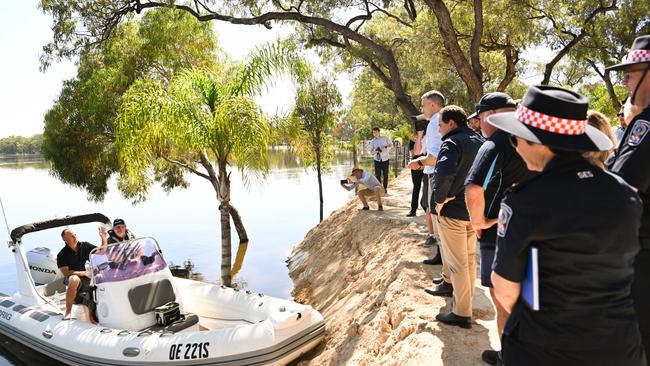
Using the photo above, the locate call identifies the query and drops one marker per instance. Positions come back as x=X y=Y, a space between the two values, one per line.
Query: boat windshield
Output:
x=126 y=260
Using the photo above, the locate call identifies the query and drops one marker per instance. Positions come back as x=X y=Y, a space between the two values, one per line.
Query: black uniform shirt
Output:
x=632 y=162
x=74 y=261
x=496 y=168
x=457 y=153
x=583 y=221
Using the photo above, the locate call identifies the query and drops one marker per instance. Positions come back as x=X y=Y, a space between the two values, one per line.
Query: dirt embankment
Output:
x=362 y=270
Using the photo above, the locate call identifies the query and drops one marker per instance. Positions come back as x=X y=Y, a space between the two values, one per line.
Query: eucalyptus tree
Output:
x=79 y=130
x=202 y=123
x=316 y=112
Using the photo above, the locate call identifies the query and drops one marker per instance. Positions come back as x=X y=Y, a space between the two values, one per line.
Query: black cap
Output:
x=118 y=222
x=638 y=54
x=553 y=117
x=492 y=101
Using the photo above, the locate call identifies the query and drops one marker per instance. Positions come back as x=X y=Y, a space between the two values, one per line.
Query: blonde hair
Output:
x=601 y=122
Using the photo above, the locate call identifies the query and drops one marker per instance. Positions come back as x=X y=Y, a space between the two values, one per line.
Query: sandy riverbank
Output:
x=362 y=270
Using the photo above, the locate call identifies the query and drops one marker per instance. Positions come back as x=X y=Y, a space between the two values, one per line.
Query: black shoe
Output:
x=411 y=214
x=438 y=280
x=453 y=319
x=366 y=208
x=435 y=260
x=431 y=240
x=380 y=208
x=492 y=357
x=443 y=289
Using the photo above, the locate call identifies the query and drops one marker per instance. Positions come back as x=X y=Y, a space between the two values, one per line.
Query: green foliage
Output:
x=80 y=127
x=20 y=145
x=315 y=114
x=600 y=101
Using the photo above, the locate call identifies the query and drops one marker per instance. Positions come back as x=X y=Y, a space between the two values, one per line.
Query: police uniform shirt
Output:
x=74 y=261
x=496 y=168
x=583 y=222
x=632 y=162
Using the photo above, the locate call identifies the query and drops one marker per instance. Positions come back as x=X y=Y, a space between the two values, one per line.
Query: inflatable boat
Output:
x=133 y=291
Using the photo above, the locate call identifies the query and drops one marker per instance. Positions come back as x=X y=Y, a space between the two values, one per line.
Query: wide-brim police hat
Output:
x=553 y=117
x=639 y=54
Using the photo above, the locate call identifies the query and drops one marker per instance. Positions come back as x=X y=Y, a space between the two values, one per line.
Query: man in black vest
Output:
x=632 y=162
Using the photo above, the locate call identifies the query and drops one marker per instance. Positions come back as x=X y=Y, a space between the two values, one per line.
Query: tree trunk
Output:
x=320 y=182
x=608 y=84
x=465 y=70
x=226 y=245
x=355 y=156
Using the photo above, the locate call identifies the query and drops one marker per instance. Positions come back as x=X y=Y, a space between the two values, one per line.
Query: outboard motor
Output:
x=42 y=265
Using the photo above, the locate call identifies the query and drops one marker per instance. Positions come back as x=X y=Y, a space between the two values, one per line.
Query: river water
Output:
x=277 y=212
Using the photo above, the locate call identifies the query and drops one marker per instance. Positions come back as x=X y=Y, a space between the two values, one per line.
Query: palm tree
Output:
x=201 y=123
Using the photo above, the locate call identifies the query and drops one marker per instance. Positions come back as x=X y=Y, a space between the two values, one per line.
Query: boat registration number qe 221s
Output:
x=189 y=351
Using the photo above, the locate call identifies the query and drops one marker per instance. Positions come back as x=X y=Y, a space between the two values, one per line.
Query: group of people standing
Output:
x=561 y=212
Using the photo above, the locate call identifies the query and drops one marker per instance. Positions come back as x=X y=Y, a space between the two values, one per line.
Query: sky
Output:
x=26 y=94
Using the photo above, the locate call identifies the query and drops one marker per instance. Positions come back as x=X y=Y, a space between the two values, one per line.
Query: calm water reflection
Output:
x=277 y=212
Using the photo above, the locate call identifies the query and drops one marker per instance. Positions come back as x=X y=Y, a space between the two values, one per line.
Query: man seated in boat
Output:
x=71 y=260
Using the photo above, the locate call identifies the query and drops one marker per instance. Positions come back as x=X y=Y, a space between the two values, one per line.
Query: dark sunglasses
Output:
x=619 y=114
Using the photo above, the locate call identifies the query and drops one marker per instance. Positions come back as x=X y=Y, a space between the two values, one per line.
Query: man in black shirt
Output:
x=496 y=168
x=458 y=242
x=563 y=269
x=71 y=260
x=631 y=161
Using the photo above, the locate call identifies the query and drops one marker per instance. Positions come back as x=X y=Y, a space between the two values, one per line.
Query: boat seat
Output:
x=147 y=297
x=53 y=287
x=189 y=321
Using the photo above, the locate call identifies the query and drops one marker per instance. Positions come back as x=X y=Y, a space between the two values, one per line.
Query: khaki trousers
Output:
x=376 y=192
x=458 y=242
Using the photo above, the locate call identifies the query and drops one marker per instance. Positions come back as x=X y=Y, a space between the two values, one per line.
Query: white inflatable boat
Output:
x=218 y=325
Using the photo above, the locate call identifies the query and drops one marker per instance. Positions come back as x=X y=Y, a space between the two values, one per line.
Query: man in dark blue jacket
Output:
x=458 y=240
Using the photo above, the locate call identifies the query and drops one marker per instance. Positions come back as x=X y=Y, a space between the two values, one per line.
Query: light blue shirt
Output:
x=368 y=180
x=383 y=143
x=432 y=141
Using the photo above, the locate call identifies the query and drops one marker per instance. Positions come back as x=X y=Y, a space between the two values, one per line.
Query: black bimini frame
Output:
x=17 y=233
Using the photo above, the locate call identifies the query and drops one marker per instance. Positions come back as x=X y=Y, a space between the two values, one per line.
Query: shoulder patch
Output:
x=505 y=214
x=639 y=130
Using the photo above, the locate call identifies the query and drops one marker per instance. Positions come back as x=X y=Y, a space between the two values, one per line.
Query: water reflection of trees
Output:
x=23 y=161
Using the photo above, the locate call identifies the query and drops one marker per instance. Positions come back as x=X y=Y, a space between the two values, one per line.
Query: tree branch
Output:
x=185 y=166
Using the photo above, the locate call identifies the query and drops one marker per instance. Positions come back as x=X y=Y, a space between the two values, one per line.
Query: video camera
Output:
x=421 y=125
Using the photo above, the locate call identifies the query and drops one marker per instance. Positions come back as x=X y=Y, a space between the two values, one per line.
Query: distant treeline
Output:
x=21 y=144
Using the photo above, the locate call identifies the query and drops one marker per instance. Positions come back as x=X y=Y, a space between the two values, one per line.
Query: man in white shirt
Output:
x=431 y=103
x=380 y=148
x=371 y=187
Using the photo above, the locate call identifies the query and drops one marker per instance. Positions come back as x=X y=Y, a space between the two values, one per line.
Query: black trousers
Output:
x=518 y=353
x=416 y=177
x=641 y=295
x=381 y=171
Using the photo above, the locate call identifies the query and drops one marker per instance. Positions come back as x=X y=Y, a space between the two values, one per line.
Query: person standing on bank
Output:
x=119 y=232
x=380 y=147
x=496 y=168
x=415 y=151
x=431 y=103
x=631 y=160
x=562 y=270
x=459 y=147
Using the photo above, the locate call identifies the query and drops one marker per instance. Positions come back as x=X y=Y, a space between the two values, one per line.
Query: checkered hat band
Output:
x=638 y=56
x=562 y=126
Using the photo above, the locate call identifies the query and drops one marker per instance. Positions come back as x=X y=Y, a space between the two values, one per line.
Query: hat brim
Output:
x=625 y=65
x=591 y=140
